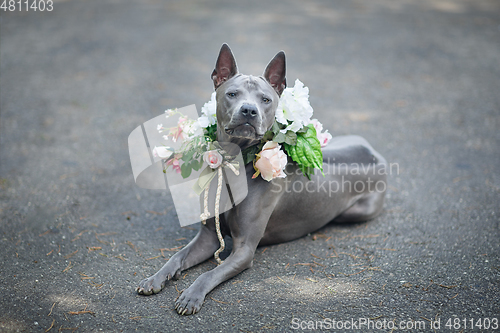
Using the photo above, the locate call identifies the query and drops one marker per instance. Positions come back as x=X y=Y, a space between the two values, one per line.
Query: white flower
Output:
x=294 y=109
x=169 y=112
x=191 y=129
x=162 y=152
x=208 y=113
x=294 y=127
x=159 y=127
x=203 y=122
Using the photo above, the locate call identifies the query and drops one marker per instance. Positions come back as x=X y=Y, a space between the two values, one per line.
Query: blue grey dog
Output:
x=272 y=212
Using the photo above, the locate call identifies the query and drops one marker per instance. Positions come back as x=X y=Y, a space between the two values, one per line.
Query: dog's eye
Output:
x=266 y=100
x=231 y=94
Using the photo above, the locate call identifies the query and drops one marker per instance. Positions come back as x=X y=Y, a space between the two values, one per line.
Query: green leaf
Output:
x=307 y=171
x=249 y=153
x=187 y=156
x=272 y=132
x=267 y=136
x=303 y=130
x=186 y=169
x=211 y=132
x=307 y=152
x=291 y=138
x=279 y=138
x=276 y=127
x=196 y=164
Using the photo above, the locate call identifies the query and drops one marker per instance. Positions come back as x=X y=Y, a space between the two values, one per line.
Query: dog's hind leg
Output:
x=364 y=209
x=198 y=250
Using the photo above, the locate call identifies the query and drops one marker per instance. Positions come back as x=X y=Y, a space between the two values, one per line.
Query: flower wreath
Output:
x=293 y=129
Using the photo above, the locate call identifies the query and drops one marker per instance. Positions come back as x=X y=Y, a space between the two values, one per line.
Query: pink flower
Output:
x=317 y=125
x=322 y=137
x=271 y=162
x=178 y=132
x=213 y=158
x=174 y=162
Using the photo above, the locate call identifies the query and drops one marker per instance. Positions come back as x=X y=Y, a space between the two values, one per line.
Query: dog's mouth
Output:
x=245 y=130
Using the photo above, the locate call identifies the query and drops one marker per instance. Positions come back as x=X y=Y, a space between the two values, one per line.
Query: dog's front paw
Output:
x=152 y=285
x=189 y=302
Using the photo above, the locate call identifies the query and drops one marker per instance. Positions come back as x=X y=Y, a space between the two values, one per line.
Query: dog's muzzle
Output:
x=245 y=123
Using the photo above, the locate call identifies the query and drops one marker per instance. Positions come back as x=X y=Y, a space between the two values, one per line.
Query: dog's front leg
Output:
x=247 y=223
x=198 y=250
x=191 y=300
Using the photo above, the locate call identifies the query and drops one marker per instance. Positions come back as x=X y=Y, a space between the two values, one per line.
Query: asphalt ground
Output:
x=419 y=79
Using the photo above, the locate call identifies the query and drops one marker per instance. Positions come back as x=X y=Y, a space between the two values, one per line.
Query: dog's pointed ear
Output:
x=275 y=72
x=225 y=67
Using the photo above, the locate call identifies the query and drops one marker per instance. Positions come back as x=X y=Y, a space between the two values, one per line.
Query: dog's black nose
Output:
x=248 y=110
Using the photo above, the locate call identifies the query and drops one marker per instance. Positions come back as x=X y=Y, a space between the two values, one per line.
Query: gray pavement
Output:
x=419 y=79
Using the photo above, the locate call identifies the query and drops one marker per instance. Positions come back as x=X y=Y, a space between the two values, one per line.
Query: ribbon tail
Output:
x=204 y=180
